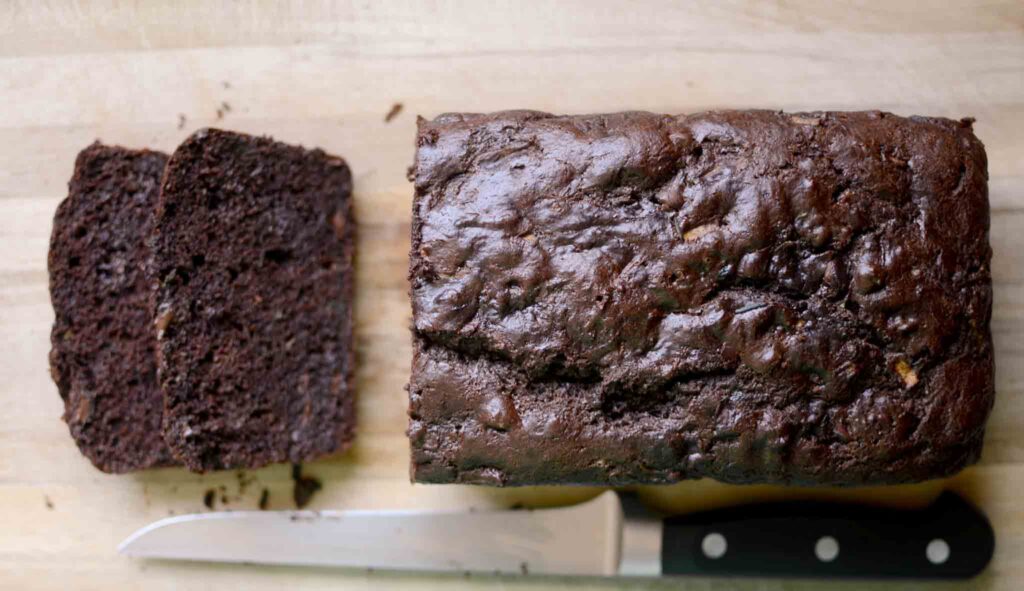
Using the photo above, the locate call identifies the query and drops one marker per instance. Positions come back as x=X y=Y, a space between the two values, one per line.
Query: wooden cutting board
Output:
x=321 y=74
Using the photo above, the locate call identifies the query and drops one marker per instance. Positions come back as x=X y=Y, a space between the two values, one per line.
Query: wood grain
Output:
x=326 y=74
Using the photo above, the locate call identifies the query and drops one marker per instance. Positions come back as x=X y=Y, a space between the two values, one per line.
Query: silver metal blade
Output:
x=582 y=539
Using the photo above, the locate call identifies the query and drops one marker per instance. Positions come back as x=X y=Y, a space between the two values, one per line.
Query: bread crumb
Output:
x=305 y=486
x=395 y=110
x=244 y=480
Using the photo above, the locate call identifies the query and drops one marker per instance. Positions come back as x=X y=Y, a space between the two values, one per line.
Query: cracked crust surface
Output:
x=253 y=254
x=751 y=296
x=103 y=347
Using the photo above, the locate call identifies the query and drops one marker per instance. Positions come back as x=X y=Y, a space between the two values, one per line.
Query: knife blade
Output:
x=612 y=534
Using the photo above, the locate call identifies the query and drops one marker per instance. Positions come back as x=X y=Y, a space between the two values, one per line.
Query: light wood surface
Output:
x=325 y=75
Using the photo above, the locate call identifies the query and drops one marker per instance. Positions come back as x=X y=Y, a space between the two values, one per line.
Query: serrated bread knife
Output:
x=610 y=535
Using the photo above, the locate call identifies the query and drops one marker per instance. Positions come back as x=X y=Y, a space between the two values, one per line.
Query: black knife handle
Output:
x=950 y=539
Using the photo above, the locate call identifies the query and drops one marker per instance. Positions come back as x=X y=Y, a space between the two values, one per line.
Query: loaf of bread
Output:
x=750 y=296
x=103 y=347
x=253 y=314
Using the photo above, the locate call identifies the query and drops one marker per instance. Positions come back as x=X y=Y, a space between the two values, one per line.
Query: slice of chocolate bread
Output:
x=103 y=348
x=253 y=252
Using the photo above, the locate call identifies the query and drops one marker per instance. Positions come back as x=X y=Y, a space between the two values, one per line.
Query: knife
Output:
x=612 y=534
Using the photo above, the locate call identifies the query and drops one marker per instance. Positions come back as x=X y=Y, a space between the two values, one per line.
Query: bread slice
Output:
x=253 y=253
x=103 y=347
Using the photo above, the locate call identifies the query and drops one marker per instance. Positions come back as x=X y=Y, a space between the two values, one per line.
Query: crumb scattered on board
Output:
x=524 y=568
x=244 y=480
x=209 y=498
x=264 y=499
x=226 y=84
x=395 y=110
x=49 y=503
x=305 y=486
x=223 y=109
x=181 y=121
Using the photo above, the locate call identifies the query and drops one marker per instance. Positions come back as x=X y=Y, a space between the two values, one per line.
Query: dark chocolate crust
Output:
x=103 y=348
x=253 y=250
x=750 y=296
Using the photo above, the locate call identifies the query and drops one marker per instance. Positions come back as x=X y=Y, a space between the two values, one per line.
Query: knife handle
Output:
x=948 y=540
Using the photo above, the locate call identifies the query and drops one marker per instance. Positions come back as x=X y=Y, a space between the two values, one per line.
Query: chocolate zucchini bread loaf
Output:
x=749 y=296
x=253 y=254
x=103 y=347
